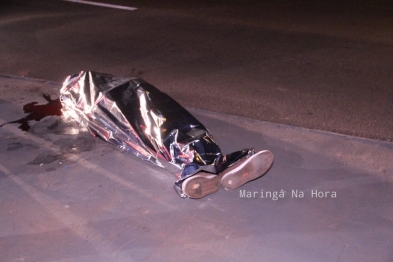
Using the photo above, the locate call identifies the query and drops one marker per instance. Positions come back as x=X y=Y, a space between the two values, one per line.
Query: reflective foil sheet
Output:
x=138 y=118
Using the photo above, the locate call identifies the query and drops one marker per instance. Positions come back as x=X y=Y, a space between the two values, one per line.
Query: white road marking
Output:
x=81 y=161
x=78 y=225
x=103 y=4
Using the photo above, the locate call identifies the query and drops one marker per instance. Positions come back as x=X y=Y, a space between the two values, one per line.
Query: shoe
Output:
x=246 y=169
x=201 y=185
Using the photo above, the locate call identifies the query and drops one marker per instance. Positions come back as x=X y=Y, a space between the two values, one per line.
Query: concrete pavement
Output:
x=66 y=196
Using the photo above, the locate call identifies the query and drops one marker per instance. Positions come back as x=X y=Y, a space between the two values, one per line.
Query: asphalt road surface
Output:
x=324 y=66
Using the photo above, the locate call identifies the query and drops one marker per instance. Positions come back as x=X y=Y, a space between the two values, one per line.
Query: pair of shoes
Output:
x=243 y=171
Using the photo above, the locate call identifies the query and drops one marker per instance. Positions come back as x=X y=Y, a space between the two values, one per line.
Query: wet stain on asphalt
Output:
x=38 y=112
x=17 y=145
x=14 y=146
x=44 y=159
x=75 y=146
x=67 y=146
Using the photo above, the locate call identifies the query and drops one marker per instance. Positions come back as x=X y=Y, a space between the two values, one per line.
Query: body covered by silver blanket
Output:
x=138 y=118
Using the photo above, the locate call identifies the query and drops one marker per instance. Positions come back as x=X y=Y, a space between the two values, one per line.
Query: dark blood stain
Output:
x=38 y=112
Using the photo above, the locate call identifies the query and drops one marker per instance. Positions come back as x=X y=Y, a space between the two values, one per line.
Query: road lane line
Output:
x=85 y=163
x=79 y=225
x=103 y=4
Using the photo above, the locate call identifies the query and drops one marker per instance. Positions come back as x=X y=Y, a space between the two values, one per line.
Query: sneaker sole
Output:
x=201 y=185
x=252 y=168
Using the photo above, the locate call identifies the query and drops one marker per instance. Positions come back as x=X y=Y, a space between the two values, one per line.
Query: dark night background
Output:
x=315 y=64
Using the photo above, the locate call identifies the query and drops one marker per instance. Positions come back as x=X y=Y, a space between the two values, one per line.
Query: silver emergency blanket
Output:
x=140 y=119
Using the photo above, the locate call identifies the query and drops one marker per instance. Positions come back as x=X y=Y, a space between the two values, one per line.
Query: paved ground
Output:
x=321 y=65
x=66 y=196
